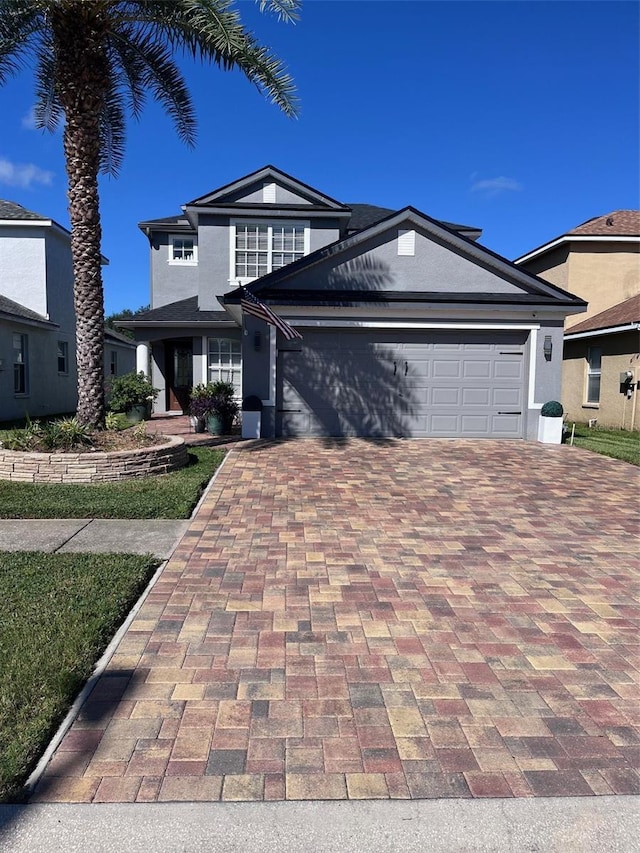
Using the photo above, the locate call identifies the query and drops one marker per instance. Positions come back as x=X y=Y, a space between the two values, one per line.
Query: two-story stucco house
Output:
x=37 y=320
x=409 y=327
x=599 y=261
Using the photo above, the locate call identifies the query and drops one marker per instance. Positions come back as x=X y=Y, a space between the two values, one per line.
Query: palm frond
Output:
x=285 y=10
x=150 y=62
x=48 y=112
x=112 y=127
x=20 y=25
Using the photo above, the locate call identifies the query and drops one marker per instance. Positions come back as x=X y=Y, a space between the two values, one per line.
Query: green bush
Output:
x=130 y=389
x=552 y=409
x=61 y=434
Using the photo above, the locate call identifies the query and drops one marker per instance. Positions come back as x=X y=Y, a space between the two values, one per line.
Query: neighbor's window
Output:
x=594 y=370
x=183 y=250
x=63 y=357
x=225 y=362
x=260 y=248
x=20 y=364
x=113 y=363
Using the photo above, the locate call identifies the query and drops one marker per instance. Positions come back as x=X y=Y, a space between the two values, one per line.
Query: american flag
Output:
x=251 y=305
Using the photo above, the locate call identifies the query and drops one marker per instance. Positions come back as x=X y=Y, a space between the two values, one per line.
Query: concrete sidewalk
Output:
x=99 y=536
x=558 y=825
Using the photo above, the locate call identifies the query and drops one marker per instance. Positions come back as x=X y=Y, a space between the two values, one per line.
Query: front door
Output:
x=179 y=366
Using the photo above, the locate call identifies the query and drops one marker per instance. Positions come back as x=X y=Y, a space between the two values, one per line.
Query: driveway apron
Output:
x=401 y=619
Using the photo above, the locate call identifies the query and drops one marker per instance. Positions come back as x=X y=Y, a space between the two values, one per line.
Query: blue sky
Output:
x=517 y=117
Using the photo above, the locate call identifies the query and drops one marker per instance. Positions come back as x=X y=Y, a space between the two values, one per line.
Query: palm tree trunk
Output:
x=81 y=78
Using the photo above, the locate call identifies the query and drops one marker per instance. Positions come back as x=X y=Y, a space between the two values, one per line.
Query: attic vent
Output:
x=269 y=193
x=406 y=242
x=609 y=220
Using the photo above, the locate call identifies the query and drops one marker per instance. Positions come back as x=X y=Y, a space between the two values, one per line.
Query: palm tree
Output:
x=94 y=61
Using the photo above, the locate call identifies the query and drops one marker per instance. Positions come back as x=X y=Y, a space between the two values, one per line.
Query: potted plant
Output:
x=224 y=408
x=550 y=423
x=200 y=403
x=133 y=394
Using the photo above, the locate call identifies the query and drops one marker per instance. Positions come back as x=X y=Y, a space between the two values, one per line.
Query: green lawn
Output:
x=164 y=496
x=58 y=612
x=618 y=443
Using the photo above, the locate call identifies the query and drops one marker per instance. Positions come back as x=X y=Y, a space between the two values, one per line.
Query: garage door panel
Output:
x=480 y=369
x=446 y=369
x=476 y=397
x=509 y=397
x=445 y=396
x=400 y=383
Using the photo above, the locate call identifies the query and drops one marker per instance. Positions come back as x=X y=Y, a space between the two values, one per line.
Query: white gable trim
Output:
x=576 y=238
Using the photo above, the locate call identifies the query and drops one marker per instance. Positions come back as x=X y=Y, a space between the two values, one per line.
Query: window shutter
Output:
x=269 y=193
x=406 y=242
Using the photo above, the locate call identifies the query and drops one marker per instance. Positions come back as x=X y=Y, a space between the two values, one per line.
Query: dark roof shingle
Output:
x=619 y=223
x=8 y=306
x=12 y=210
x=183 y=311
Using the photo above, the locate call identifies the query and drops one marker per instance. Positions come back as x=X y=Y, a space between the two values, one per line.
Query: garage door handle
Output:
x=511 y=353
x=406 y=368
x=509 y=413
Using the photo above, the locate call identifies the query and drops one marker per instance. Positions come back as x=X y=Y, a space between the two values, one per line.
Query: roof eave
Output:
x=593 y=333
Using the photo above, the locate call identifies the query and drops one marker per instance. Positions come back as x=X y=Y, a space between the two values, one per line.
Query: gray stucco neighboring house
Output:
x=409 y=327
x=37 y=321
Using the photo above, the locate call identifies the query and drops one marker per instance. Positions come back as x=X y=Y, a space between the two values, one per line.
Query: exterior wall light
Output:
x=547 y=347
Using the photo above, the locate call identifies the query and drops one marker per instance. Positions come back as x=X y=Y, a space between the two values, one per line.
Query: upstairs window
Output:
x=259 y=248
x=63 y=357
x=183 y=250
x=20 y=364
x=594 y=372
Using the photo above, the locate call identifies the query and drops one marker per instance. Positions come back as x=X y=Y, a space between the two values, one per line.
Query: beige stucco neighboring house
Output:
x=600 y=262
x=602 y=367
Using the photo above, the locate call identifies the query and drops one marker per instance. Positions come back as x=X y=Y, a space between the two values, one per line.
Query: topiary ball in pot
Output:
x=552 y=409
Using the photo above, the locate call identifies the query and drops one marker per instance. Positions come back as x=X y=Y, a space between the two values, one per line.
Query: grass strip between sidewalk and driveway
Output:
x=171 y=495
x=617 y=443
x=58 y=612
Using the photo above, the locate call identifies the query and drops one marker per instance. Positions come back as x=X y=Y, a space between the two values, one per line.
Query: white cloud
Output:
x=23 y=175
x=29 y=119
x=494 y=186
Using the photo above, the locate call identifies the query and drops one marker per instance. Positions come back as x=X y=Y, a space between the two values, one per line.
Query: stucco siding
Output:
x=170 y=281
x=602 y=276
x=553 y=267
x=620 y=352
x=23 y=266
x=49 y=392
x=376 y=265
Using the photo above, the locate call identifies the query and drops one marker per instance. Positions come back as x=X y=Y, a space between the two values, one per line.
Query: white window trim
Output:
x=178 y=262
x=301 y=223
x=208 y=364
x=25 y=353
x=64 y=372
x=588 y=375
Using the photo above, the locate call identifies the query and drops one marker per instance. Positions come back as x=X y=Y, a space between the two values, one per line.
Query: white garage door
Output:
x=412 y=384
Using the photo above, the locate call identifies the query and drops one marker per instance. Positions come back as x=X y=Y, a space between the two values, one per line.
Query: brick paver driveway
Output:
x=360 y=619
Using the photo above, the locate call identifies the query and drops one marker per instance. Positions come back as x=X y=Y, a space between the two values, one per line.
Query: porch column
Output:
x=142 y=358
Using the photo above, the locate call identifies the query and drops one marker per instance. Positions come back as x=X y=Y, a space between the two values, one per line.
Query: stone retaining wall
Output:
x=89 y=467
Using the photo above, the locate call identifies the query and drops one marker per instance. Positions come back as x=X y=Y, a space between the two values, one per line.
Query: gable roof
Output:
x=15 y=311
x=619 y=225
x=537 y=290
x=274 y=174
x=13 y=210
x=625 y=314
